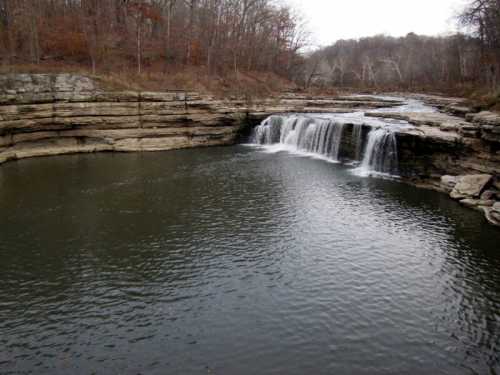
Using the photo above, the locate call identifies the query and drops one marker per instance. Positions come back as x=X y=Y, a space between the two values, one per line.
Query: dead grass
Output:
x=245 y=85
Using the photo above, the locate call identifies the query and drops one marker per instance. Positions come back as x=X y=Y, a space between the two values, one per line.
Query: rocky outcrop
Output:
x=470 y=186
x=453 y=150
x=488 y=125
x=458 y=155
x=471 y=191
x=57 y=114
x=46 y=114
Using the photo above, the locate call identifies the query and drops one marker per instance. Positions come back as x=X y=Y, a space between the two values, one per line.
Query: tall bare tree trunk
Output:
x=189 y=41
x=34 y=40
x=139 y=45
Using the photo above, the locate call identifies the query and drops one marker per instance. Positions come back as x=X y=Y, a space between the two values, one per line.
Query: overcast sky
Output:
x=330 y=20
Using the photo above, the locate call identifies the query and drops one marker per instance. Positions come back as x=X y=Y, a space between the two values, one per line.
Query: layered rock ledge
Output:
x=453 y=151
x=58 y=114
x=44 y=114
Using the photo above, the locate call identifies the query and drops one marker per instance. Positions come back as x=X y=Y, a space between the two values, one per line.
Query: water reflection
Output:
x=234 y=261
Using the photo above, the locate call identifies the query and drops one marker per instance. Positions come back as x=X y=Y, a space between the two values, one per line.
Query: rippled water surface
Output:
x=235 y=261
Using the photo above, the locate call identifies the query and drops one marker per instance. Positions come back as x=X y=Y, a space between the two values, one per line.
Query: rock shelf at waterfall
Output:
x=366 y=142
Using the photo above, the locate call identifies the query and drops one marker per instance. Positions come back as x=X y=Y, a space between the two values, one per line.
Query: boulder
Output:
x=470 y=186
x=493 y=214
x=477 y=204
x=448 y=183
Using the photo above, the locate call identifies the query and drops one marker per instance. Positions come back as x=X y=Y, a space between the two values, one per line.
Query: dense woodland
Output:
x=220 y=35
x=228 y=37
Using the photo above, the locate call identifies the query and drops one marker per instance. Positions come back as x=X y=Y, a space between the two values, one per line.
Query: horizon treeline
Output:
x=416 y=62
x=410 y=62
x=220 y=35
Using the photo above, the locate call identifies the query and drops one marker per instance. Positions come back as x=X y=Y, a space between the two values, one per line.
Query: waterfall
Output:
x=357 y=140
x=381 y=152
x=318 y=136
x=323 y=137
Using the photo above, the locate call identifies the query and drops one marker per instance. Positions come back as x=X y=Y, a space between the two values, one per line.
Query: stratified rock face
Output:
x=43 y=114
x=470 y=186
x=488 y=124
x=56 y=114
x=453 y=151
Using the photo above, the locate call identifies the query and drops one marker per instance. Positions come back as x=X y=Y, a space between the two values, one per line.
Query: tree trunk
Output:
x=139 y=45
x=34 y=40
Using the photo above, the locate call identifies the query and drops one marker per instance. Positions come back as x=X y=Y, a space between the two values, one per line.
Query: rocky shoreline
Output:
x=452 y=150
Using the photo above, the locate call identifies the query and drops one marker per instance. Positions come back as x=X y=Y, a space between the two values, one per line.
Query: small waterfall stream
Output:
x=326 y=138
x=357 y=134
x=381 y=153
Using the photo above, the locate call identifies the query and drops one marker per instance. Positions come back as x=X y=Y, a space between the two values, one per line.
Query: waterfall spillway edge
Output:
x=372 y=148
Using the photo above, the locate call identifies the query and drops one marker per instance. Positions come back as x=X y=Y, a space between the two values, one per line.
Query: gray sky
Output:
x=330 y=20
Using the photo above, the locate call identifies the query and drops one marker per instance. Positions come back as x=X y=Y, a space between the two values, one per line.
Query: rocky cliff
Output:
x=44 y=114
x=56 y=114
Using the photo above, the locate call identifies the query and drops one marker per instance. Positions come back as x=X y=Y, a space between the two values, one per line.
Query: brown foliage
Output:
x=220 y=36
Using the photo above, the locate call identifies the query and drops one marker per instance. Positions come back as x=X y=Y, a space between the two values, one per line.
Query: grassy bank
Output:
x=241 y=84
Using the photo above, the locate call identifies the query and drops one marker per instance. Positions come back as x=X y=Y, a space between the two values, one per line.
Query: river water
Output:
x=237 y=261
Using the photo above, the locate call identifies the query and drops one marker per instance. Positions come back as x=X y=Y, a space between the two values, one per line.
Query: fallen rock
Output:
x=492 y=214
x=470 y=186
x=477 y=204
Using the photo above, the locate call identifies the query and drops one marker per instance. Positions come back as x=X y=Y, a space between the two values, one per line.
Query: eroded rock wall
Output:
x=457 y=155
x=58 y=114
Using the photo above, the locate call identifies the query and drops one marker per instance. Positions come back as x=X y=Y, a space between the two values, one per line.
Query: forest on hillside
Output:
x=220 y=35
x=228 y=37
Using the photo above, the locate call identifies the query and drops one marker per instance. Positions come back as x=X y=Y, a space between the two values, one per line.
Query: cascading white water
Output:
x=319 y=136
x=381 y=152
x=357 y=140
x=323 y=137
